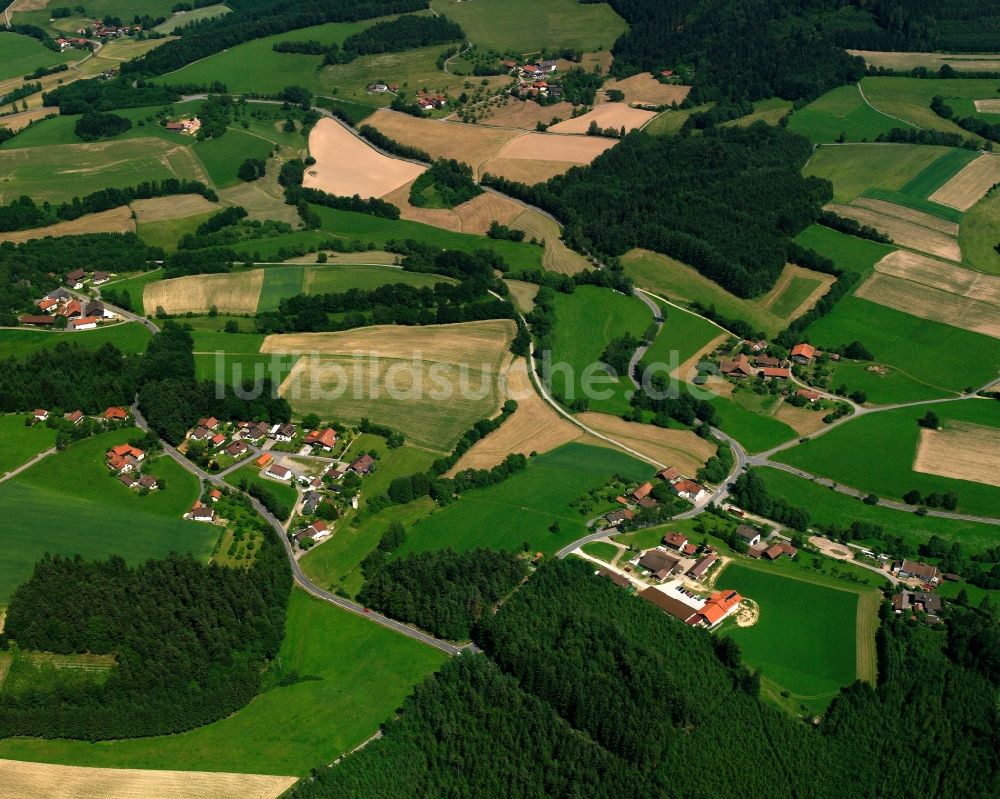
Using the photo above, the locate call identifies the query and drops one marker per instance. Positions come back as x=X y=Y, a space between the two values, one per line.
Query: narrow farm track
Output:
x=867 y=624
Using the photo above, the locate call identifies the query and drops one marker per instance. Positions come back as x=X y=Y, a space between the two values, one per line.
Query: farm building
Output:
x=264 y=460
x=99 y=278
x=675 y=541
x=115 y=414
x=748 y=534
x=808 y=394
x=642 y=491
x=803 y=353
x=738 y=368
x=616 y=517
x=670 y=474
x=690 y=490
x=36 y=320
x=75 y=278
x=718 y=607
x=74 y=418
x=775 y=373
x=84 y=323
x=618 y=579
x=659 y=563
x=40 y=415
x=675 y=600
x=698 y=571
x=914 y=568
x=276 y=472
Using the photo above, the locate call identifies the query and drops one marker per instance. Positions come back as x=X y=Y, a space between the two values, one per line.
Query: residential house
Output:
x=36 y=320
x=215 y=495
x=149 y=482
x=738 y=368
x=548 y=66
x=766 y=361
x=115 y=414
x=658 y=563
x=283 y=432
x=40 y=415
x=237 y=449
x=325 y=438
x=508 y=64
x=718 y=607
x=362 y=465
x=185 y=126
x=318 y=530
x=211 y=423
x=922 y=571
x=918 y=601
x=670 y=474
x=200 y=434
x=310 y=501
x=276 y=472
x=750 y=536
x=71 y=309
x=124 y=458
x=99 y=278
x=690 y=549
x=697 y=571
x=217 y=440
x=201 y=513
x=690 y=490
x=264 y=460
x=803 y=353
x=74 y=418
x=676 y=541
x=642 y=491
x=76 y=278
x=809 y=394
x=756 y=346
x=128 y=480
x=646 y=502
x=83 y=323
x=616 y=517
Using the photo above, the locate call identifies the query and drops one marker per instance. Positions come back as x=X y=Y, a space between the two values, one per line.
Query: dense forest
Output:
x=443 y=592
x=727 y=202
x=394 y=36
x=254 y=19
x=96 y=125
x=190 y=641
x=676 y=706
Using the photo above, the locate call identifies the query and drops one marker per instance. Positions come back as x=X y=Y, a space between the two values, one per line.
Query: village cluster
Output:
x=97 y=30
x=62 y=308
x=769 y=367
x=642 y=496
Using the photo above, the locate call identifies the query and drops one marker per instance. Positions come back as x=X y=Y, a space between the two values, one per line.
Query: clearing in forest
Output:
x=968 y=186
x=906 y=233
x=38 y=780
x=115 y=220
x=347 y=165
x=533 y=427
x=233 y=293
x=962 y=450
x=606 y=115
x=960 y=62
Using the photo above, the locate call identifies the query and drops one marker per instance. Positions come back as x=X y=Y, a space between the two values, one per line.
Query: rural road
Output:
x=27 y=464
x=297 y=573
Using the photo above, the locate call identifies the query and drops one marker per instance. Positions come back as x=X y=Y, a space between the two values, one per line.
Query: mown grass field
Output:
x=222 y=156
x=128 y=337
x=683 y=334
x=855 y=168
x=849 y=253
x=392 y=463
x=283 y=492
x=977 y=233
x=524 y=507
x=586 y=322
x=364 y=672
x=601 y=550
x=195 y=15
x=336 y=562
x=910 y=98
x=24 y=54
x=827 y=506
x=884 y=384
x=209 y=341
x=19 y=444
x=280 y=282
x=841 y=112
x=525 y=26
x=754 y=429
x=234 y=369
x=68 y=503
x=805 y=641
x=875 y=453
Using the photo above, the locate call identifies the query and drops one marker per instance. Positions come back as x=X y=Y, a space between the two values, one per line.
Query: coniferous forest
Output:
x=190 y=642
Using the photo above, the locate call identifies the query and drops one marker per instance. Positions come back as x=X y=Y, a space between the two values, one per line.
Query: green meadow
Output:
x=69 y=503
x=235 y=368
x=883 y=384
x=335 y=278
x=136 y=285
x=533 y=506
x=586 y=322
x=128 y=337
x=875 y=453
x=910 y=98
x=805 y=641
x=222 y=156
x=19 y=443
x=280 y=282
x=849 y=253
x=977 y=233
x=682 y=333
x=829 y=507
x=841 y=112
x=392 y=463
x=526 y=26
x=211 y=341
x=753 y=428
x=285 y=493
x=353 y=676
x=24 y=54
x=178 y=20
x=856 y=168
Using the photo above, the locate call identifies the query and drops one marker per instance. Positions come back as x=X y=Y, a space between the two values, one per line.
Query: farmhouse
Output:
x=642 y=491
x=775 y=551
x=918 y=601
x=115 y=414
x=283 y=432
x=325 y=438
x=548 y=66
x=738 y=368
x=96 y=308
x=99 y=278
x=719 y=607
x=186 y=126
x=675 y=541
x=40 y=415
x=508 y=64
x=215 y=495
x=803 y=353
x=616 y=517
x=748 y=534
x=36 y=320
x=775 y=373
x=201 y=513
x=766 y=361
x=670 y=474
x=84 y=323
x=74 y=418
x=46 y=304
x=362 y=465
x=75 y=278
x=658 y=563
x=690 y=490
x=318 y=530
x=914 y=568
x=276 y=472
x=808 y=394
x=71 y=309
x=124 y=458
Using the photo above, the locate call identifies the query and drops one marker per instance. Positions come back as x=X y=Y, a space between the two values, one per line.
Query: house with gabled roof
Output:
x=201 y=513
x=739 y=367
x=802 y=353
x=750 y=536
x=362 y=465
x=718 y=607
x=670 y=474
x=676 y=541
x=114 y=413
x=642 y=491
x=74 y=418
x=276 y=472
x=325 y=438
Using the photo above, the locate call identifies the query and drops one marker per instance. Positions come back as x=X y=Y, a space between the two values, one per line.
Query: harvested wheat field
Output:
x=967 y=187
x=908 y=214
x=236 y=293
x=802 y=420
x=260 y=203
x=16 y=122
x=177 y=206
x=558 y=257
x=481 y=344
x=45 y=781
x=962 y=450
x=525 y=170
x=533 y=427
x=116 y=220
x=943 y=276
x=432 y=382
x=471 y=144
x=550 y=147
x=473 y=216
x=680 y=448
x=903 y=232
x=647 y=90
x=960 y=62
x=347 y=165
x=523 y=294
x=525 y=114
x=606 y=115
x=929 y=303
x=988 y=106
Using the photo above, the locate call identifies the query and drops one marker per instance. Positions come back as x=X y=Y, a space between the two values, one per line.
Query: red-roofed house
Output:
x=362 y=465
x=74 y=418
x=115 y=413
x=215 y=495
x=642 y=491
x=264 y=460
x=802 y=353
x=218 y=440
x=690 y=490
x=84 y=323
x=211 y=423
x=775 y=373
x=325 y=438
x=38 y=320
x=71 y=309
x=46 y=304
x=675 y=541
x=201 y=513
x=719 y=606
x=318 y=530
x=40 y=415
x=808 y=393
x=738 y=368
x=276 y=472
x=670 y=474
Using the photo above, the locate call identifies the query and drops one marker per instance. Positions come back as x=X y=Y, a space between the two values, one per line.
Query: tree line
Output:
x=391 y=36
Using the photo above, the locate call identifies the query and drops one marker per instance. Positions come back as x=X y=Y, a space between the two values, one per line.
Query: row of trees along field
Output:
x=190 y=641
x=649 y=694
x=727 y=202
x=29 y=270
x=254 y=19
x=172 y=399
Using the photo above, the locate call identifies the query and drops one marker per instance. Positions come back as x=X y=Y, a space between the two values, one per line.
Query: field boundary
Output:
x=867 y=625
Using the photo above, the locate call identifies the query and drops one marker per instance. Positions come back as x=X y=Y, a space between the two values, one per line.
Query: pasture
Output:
x=828 y=507
x=682 y=340
x=877 y=452
x=100 y=516
x=280 y=282
x=287 y=729
x=977 y=233
x=19 y=444
x=533 y=506
x=71 y=170
x=910 y=98
x=347 y=165
x=431 y=382
x=587 y=321
x=795 y=291
x=841 y=112
x=168 y=232
x=805 y=641
x=755 y=428
x=23 y=54
x=526 y=27
x=128 y=337
x=855 y=168
x=222 y=156
x=233 y=368
x=883 y=383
